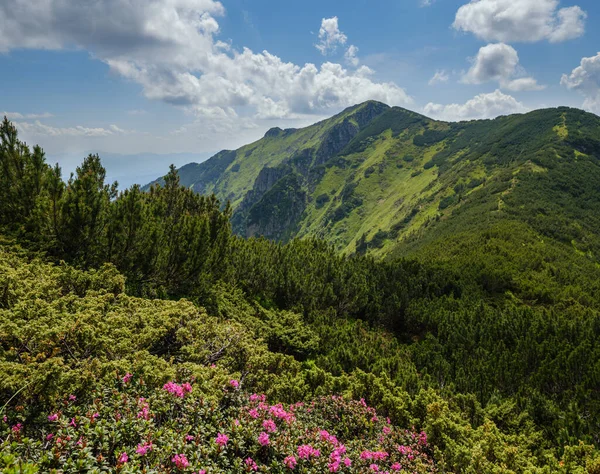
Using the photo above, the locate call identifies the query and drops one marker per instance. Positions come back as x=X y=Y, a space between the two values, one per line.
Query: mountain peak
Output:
x=273 y=132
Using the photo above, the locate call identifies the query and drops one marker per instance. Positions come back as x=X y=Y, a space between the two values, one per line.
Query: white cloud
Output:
x=426 y=3
x=20 y=116
x=523 y=84
x=169 y=47
x=330 y=36
x=439 y=77
x=351 y=55
x=586 y=80
x=37 y=128
x=482 y=106
x=499 y=62
x=520 y=20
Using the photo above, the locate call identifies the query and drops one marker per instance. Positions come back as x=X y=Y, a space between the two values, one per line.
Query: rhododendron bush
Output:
x=132 y=428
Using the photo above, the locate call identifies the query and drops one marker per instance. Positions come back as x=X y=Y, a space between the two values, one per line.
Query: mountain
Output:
x=127 y=169
x=374 y=177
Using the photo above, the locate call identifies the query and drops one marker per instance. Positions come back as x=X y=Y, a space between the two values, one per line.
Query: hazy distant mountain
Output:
x=131 y=169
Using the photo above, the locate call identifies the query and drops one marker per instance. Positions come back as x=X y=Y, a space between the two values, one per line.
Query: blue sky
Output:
x=181 y=77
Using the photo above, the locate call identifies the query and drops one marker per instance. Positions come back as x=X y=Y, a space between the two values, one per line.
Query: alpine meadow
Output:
x=348 y=287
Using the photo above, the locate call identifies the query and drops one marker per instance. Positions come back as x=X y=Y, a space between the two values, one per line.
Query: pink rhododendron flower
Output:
x=234 y=383
x=49 y=436
x=253 y=413
x=263 y=439
x=189 y=438
x=270 y=426
x=72 y=398
x=290 y=462
x=187 y=387
x=17 y=428
x=174 y=389
x=306 y=451
x=53 y=417
x=374 y=467
x=143 y=449
x=180 y=461
x=127 y=377
x=123 y=458
x=73 y=423
x=251 y=464
x=396 y=466
x=222 y=439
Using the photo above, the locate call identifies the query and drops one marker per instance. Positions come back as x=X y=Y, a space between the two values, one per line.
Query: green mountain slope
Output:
x=387 y=180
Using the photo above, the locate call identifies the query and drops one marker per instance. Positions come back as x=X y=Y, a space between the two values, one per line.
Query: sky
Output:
x=149 y=82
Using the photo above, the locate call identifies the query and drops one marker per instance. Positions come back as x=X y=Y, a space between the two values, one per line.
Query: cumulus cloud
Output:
x=351 y=55
x=330 y=36
x=499 y=62
x=482 y=106
x=520 y=20
x=426 y=3
x=171 y=49
x=439 y=77
x=585 y=79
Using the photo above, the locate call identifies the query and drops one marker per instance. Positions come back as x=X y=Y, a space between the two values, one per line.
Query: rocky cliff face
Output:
x=278 y=212
x=275 y=187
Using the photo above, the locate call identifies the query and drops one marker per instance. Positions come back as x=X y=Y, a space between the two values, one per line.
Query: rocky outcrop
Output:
x=266 y=179
x=277 y=214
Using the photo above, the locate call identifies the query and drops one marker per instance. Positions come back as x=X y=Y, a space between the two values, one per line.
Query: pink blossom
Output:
x=187 y=387
x=234 y=383
x=95 y=415
x=270 y=426
x=387 y=430
x=396 y=466
x=374 y=467
x=127 y=377
x=73 y=423
x=189 y=438
x=123 y=458
x=174 y=389
x=263 y=439
x=334 y=466
x=423 y=438
x=347 y=462
x=49 y=436
x=290 y=462
x=222 y=439
x=53 y=417
x=306 y=451
x=253 y=413
x=144 y=413
x=180 y=461
x=17 y=428
x=72 y=398
x=251 y=464
x=143 y=449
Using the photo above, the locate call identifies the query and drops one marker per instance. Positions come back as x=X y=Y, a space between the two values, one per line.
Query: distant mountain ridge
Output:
x=384 y=179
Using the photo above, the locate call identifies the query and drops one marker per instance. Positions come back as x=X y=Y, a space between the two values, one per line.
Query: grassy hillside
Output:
x=401 y=178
